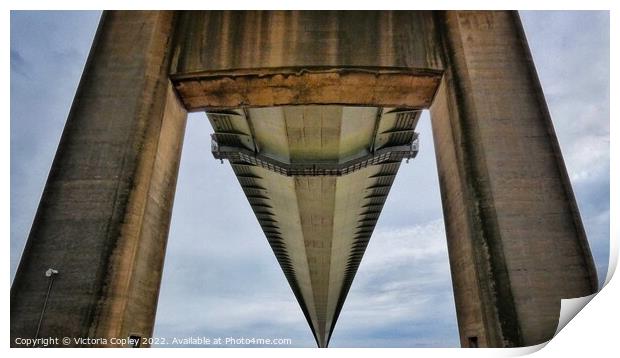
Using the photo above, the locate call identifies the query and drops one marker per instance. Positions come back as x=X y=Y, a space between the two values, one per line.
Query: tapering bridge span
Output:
x=317 y=178
x=315 y=112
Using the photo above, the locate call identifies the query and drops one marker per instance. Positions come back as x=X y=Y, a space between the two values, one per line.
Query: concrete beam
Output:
x=231 y=59
x=359 y=86
x=237 y=40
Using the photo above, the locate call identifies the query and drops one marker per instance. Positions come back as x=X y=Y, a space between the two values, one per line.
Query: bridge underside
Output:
x=317 y=178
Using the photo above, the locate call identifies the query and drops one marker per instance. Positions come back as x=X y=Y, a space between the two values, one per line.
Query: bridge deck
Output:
x=318 y=224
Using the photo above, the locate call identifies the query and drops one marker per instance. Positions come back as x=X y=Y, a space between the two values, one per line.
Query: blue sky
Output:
x=221 y=278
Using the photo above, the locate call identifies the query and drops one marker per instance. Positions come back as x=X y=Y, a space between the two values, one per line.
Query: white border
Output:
x=591 y=332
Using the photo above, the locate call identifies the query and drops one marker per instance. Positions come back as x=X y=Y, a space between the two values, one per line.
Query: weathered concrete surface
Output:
x=104 y=215
x=231 y=40
x=515 y=238
x=383 y=87
x=230 y=59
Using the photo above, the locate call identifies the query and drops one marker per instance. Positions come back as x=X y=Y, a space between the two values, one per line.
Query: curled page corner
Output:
x=570 y=308
x=527 y=350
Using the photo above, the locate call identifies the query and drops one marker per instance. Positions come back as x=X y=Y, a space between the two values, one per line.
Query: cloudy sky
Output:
x=221 y=278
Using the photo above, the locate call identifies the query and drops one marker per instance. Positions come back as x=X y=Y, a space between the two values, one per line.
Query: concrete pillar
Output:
x=515 y=238
x=104 y=215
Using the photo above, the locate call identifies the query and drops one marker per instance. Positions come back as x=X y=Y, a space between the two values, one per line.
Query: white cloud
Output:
x=403 y=281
